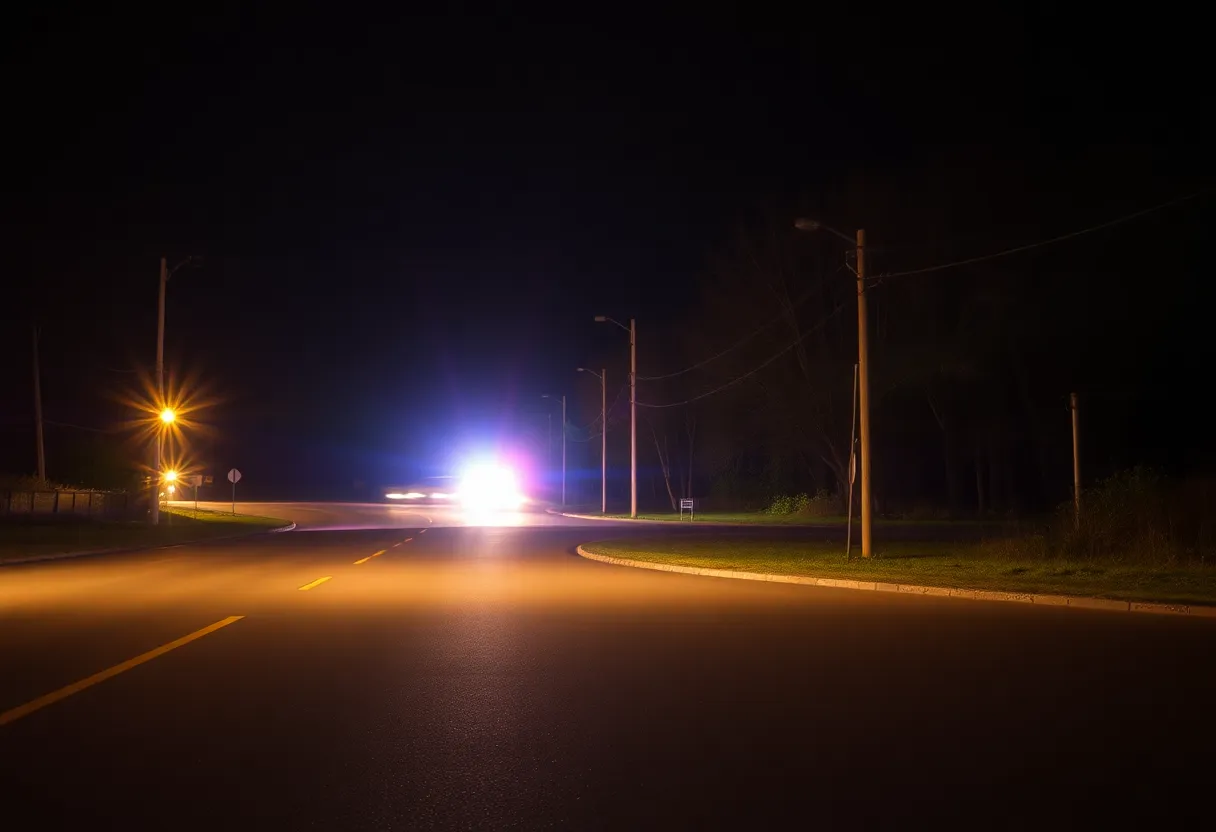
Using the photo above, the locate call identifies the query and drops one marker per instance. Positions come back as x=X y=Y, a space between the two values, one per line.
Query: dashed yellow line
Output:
x=16 y=713
x=363 y=560
x=317 y=582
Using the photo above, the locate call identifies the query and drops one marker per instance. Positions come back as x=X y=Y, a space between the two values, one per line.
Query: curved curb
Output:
x=1076 y=601
x=122 y=551
x=700 y=524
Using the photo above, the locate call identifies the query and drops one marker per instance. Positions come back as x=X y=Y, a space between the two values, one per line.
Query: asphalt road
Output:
x=483 y=677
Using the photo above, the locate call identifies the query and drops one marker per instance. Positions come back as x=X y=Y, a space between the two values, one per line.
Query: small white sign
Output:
x=234 y=476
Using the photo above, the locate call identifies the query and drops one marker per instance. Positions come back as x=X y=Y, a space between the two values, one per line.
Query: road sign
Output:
x=234 y=476
x=194 y=480
x=686 y=505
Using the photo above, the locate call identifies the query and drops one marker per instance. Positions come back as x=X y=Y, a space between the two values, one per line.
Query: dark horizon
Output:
x=407 y=226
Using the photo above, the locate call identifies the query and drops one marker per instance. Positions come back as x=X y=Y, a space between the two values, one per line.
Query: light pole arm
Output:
x=816 y=225
x=606 y=319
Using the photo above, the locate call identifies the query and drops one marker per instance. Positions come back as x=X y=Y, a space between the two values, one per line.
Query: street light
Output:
x=165 y=274
x=632 y=329
x=863 y=372
x=563 y=398
x=602 y=375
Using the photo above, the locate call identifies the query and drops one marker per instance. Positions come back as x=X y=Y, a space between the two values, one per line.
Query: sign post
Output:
x=686 y=505
x=234 y=476
x=193 y=481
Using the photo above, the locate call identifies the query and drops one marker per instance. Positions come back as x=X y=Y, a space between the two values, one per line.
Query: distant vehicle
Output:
x=431 y=491
x=480 y=488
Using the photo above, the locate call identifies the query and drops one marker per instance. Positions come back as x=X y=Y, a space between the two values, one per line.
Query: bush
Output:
x=784 y=504
x=823 y=504
x=1139 y=515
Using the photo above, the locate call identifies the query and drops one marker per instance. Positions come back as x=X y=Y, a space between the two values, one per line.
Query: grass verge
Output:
x=22 y=538
x=954 y=565
x=760 y=518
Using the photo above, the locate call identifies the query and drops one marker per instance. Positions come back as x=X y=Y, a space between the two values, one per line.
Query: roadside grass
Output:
x=954 y=565
x=760 y=518
x=28 y=537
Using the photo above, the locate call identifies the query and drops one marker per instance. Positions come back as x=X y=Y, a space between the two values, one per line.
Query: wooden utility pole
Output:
x=848 y=541
x=38 y=411
x=863 y=373
x=1076 y=462
x=603 y=440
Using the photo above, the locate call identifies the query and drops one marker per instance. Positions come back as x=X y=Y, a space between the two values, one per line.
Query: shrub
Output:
x=782 y=504
x=1139 y=515
x=823 y=504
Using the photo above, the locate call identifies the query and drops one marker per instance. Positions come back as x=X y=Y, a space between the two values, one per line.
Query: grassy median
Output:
x=993 y=566
x=30 y=537
x=763 y=518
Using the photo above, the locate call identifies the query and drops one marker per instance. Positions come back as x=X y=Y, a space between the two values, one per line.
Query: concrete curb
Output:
x=95 y=552
x=710 y=524
x=700 y=524
x=1076 y=601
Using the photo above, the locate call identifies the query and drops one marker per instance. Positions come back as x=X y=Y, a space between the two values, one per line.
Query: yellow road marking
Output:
x=378 y=554
x=317 y=582
x=407 y=540
x=76 y=687
x=363 y=560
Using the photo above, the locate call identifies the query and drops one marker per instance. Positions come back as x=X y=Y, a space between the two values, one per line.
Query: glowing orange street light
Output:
x=168 y=416
x=170 y=476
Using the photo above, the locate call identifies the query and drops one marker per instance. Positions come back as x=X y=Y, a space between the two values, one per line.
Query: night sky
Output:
x=408 y=223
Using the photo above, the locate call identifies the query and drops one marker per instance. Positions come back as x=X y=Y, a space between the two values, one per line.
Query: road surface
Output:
x=442 y=674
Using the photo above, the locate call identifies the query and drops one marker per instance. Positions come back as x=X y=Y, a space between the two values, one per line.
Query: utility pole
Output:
x=602 y=375
x=563 y=450
x=548 y=463
x=848 y=541
x=38 y=411
x=863 y=372
x=632 y=329
x=1076 y=462
x=154 y=516
x=603 y=440
x=633 y=418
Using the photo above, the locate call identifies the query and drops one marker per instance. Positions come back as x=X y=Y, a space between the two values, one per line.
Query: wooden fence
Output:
x=107 y=505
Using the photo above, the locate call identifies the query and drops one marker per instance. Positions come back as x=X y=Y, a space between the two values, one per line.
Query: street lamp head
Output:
x=170 y=476
x=599 y=319
x=582 y=369
x=804 y=224
x=168 y=416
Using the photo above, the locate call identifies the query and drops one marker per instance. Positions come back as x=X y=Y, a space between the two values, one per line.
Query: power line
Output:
x=1041 y=243
x=797 y=302
x=824 y=320
x=76 y=427
x=597 y=419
